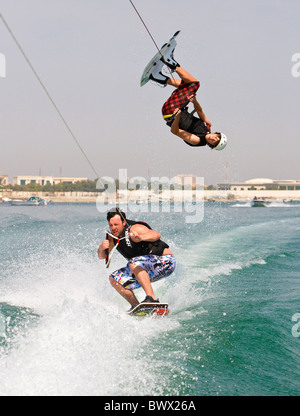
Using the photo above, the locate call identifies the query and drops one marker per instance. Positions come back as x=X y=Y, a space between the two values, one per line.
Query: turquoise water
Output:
x=64 y=331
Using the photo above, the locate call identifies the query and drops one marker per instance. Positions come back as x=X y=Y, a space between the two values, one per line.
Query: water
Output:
x=64 y=331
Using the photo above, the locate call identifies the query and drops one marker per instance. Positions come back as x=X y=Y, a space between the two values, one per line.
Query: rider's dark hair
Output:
x=116 y=211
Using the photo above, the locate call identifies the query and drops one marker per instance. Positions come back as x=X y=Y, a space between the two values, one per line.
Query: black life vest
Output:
x=194 y=125
x=191 y=124
x=130 y=249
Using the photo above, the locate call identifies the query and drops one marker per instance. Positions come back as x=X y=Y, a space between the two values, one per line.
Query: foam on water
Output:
x=65 y=330
x=83 y=343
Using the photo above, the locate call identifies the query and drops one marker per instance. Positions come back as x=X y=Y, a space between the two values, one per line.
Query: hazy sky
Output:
x=91 y=53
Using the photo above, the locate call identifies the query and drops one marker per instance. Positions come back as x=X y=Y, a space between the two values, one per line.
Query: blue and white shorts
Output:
x=158 y=267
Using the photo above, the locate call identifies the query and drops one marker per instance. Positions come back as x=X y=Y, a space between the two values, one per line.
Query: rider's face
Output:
x=212 y=139
x=116 y=225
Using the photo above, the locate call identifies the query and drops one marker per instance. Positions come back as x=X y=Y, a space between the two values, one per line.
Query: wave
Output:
x=236 y=249
x=74 y=337
x=13 y=321
x=269 y=204
x=81 y=343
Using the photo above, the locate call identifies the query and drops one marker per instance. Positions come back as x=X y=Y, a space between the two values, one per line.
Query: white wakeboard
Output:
x=156 y=64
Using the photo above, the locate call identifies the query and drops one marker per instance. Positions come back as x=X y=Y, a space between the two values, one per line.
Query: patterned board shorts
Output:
x=157 y=267
x=180 y=98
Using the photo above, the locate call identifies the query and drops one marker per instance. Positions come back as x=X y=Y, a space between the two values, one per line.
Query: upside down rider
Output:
x=195 y=131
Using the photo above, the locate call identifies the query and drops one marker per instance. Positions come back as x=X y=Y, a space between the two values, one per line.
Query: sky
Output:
x=90 y=54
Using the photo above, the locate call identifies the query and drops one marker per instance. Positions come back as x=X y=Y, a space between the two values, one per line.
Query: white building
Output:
x=44 y=180
x=262 y=184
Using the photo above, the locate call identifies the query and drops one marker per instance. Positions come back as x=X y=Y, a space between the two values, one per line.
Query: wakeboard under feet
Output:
x=163 y=58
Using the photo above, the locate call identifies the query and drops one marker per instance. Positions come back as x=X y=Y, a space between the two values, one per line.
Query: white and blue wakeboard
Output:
x=157 y=63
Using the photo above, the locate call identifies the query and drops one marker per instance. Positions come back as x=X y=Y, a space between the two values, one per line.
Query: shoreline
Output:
x=150 y=197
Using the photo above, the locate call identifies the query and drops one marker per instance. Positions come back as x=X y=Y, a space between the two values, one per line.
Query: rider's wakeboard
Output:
x=150 y=309
x=156 y=64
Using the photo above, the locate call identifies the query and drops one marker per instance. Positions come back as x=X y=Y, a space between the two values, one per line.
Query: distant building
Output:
x=44 y=180
x=68 y=180
x=262 y=184
x=4 y=180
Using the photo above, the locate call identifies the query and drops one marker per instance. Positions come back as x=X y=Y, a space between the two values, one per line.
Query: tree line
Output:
x=84 y=186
